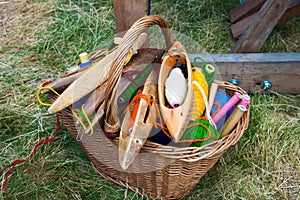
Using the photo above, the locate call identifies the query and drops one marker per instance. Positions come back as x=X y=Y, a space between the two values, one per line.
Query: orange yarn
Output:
x=156 y=124
x=136 y=102
x=135 y=108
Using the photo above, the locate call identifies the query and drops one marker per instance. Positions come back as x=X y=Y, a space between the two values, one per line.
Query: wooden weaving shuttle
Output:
x=99 y=114
x=175 y=118
x=88 y=81
x=63 y=82
x=93 y=102
x=134 y=135
x=66 y=79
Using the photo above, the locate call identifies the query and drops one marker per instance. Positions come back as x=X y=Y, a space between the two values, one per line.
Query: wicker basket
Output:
x=159 y=171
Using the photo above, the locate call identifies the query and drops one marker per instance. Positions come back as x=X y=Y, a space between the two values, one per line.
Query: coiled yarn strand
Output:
x=199 y=104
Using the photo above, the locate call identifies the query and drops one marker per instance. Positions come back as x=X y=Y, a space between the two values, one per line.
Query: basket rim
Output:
x=193 y=154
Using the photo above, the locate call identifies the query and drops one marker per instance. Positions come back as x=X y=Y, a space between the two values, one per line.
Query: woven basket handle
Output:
x=111 y=124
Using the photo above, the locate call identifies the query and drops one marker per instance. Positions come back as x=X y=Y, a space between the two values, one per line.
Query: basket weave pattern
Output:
x=178 y=170
x=158 y=171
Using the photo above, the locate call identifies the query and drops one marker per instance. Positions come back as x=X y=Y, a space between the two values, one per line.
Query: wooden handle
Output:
x=111 y=121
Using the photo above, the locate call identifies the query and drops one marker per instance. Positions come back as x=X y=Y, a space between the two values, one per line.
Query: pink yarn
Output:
x=245 y=100
x=234 y=99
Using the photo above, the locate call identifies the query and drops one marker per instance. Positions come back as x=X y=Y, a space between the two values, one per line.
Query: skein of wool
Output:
x=199 y=105
x=175 y=88
x=198 y=131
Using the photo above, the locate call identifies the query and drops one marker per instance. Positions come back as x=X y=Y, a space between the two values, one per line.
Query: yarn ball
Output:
x=199 y=105
x=198 y=131
x=175 y=88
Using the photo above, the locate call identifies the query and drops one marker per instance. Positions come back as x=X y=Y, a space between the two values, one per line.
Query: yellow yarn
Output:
x=87 y=119
x=38 y=92
x=199 y=105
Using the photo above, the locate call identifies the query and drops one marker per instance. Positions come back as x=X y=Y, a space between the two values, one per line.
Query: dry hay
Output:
x=19 y=21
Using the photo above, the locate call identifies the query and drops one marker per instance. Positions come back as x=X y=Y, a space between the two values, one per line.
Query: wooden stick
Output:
x=257 y=33
x=239 y=27
x=62 y=82
x=85 y=83
x=99 y=114
x=212 y=93
x=94 y=101
x=245 y=9
x=233 y=119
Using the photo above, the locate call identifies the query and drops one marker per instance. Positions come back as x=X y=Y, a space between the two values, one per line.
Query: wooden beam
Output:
x=239 y=28
x=292 y=11
x=257 y=33
x=127 y=12
x=282 y=69
x=245 y=9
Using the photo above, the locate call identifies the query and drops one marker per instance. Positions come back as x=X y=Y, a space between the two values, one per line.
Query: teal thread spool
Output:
x=132 y=88
x=198 y=132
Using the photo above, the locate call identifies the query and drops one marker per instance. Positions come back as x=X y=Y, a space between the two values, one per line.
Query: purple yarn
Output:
x=175 y=105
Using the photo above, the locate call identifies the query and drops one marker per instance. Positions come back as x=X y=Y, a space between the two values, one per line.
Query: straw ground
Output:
x=41 y=39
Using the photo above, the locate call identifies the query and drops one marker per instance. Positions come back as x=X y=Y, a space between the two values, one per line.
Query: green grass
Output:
x=263 y=165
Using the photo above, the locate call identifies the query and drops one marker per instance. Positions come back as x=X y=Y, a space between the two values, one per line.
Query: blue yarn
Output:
x=221 y=98
x=158 y=136
x=80 y=102
x=86 y=64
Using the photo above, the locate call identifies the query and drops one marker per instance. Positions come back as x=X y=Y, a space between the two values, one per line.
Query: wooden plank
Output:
x=245 y=9
x=127 y=12
x=257 y=33
x=239 y=28
x=292 y=11
x=252 y=69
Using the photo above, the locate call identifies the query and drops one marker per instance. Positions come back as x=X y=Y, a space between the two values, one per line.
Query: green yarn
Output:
x=198 y=132
x=132 y=89
x=82 y=116
x=209 y=77
x=202 y=61
x=80 y=113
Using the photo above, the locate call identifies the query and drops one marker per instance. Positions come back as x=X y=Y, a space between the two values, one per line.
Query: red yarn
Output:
x=46 y=83
x=21 y=160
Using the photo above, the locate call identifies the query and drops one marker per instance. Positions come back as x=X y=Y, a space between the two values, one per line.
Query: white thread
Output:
x=175 y=87
x=207 y=110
